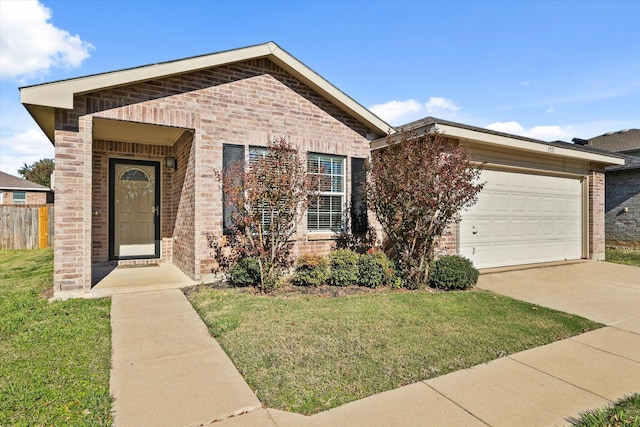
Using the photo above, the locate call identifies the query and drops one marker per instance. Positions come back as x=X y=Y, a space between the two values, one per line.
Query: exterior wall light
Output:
x=171 y=162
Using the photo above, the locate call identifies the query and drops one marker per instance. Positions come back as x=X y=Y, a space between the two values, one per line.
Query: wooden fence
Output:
x=26 y=226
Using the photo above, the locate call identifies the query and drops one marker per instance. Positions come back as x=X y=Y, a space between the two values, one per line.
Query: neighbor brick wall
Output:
x=249 y=103
x=622 y=190
x=32 y=198
x=596 y=215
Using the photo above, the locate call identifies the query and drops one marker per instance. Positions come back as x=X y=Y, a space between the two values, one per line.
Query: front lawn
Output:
x=308 y=353
x=54 y=357
x=626 y=256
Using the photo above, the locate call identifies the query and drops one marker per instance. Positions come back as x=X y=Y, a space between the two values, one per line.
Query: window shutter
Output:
x=231 y=154
x=359 y=220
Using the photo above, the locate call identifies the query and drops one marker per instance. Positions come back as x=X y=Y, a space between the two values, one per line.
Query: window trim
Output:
x=19 y=201
x=342 y=194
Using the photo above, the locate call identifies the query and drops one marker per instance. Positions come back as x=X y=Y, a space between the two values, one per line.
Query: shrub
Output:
x=245 y=272
x=451 y=272
x=311 y=270
x=344 y=267
x=375 y=269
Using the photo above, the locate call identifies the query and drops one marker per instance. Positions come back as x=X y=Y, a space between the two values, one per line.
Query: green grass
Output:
x=54 y=357
x=625 y=413
x=626 y=256
x=310 y=353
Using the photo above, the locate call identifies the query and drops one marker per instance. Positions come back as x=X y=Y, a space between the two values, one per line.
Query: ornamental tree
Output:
x=38 y=172
x=416 y=187
x=267 y=200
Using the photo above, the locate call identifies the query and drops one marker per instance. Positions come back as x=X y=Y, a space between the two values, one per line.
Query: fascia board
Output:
x=482 y=138
x=534 y=147
x=60 y=94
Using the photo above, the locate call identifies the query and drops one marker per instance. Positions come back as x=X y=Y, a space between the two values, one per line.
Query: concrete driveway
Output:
x=601 y=291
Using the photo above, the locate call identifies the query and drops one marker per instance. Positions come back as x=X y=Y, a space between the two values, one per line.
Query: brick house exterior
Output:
x=19 y=191
x=622 y=187
x=622 y=203
x=187 y=111
x=158 y=134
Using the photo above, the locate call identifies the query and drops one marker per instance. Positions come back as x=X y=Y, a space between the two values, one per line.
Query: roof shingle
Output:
x=10 y=182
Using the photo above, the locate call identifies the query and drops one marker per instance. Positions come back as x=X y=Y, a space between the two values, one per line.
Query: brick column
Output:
x=72 y=239
x=596 y=215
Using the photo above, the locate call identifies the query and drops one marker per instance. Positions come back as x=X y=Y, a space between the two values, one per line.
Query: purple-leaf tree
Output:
x=416 y=187
x=268 y=198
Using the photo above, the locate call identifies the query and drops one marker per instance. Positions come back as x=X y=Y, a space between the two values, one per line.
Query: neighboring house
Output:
x=541 y=202
x=625 y=142
x=136 y=152
x=622 y=187
x=18 y=191
x=622 y=203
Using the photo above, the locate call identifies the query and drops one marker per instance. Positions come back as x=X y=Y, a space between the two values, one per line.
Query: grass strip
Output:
x=625 y=413
x=308 y=353
x=626 y=256
x=54 y=356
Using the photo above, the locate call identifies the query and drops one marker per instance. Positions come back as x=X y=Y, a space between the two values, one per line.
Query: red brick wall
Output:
x=596 y=215
x=248 y=103
x=72 y=242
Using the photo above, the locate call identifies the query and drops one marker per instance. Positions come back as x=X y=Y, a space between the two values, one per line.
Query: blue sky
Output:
x=546 y=69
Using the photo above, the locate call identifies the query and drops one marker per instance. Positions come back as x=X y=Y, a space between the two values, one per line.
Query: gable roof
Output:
x=505 y=140
x=13 y=183
x=624 y=140
x=41 y=100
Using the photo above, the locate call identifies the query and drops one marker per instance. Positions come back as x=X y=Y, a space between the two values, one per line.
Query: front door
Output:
x=134 y=192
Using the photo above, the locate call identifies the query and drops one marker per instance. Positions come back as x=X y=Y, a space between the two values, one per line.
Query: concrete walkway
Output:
x=167 y=371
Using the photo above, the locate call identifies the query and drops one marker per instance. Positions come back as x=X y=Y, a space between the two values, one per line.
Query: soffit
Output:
x=141 y=133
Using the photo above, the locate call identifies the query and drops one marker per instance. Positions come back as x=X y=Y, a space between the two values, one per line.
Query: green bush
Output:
x=375 y=269
x=451 y=272
x=344 y=267
x=245 y=272
x=311 y=270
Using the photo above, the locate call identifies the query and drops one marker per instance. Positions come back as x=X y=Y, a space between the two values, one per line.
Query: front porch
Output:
x=135 y=247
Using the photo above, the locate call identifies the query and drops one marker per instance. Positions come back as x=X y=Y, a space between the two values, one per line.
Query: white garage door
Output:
x=521 y=219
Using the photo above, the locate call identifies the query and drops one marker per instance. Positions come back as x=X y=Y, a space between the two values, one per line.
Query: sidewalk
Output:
x=167 y=371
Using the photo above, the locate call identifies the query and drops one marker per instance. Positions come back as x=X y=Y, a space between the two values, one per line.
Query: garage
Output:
x=523 y=218
x=543 y=201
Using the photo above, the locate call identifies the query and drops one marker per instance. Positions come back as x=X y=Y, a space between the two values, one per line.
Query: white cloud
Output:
x=392 y=111
x=525 y=83
x=402 y=112
x=439 y=105
x=544 y=133
x=549 y=110
x=30 y=45
x=24 y=147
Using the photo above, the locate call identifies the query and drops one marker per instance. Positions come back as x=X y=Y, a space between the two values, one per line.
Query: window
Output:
x=327 y=212
x=256 y=153
x=19 y=197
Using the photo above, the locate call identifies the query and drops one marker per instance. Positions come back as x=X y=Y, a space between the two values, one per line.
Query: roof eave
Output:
x=42 y=100
x=504 y=141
